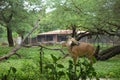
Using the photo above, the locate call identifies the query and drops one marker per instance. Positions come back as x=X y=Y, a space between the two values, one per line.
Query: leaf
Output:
x=60 y=66
x=70 y=62
x=13 y=69
x=50 y=66
x=54 y=58
x=61 y=73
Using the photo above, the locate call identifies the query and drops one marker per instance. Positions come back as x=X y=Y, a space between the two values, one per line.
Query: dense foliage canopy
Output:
x=92 y=15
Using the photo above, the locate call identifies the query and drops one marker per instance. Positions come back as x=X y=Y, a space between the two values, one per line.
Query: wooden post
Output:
x=55 y=38
x=41 y=66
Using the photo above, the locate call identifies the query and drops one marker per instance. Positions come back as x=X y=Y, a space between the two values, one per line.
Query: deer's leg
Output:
x=75 y=60
x=91 y=58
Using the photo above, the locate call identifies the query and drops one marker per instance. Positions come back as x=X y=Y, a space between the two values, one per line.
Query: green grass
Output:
x=28 y=65
x=109 y=68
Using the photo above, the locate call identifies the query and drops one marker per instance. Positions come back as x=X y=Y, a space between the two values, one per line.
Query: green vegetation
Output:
x=17 y=17
x=27 y=66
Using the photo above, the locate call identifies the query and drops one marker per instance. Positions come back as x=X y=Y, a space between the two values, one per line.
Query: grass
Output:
x=109 y=68
x=28 y=65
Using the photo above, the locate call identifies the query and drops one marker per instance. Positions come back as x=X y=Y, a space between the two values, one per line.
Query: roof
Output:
x=59 y=32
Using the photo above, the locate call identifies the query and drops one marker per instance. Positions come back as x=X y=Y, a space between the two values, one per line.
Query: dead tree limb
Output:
x=13 y=51
x=40 y=45
x=57 y=49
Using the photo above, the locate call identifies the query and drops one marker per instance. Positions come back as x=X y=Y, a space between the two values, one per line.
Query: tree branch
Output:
x=53 y=49
x=76 y=7
x=37 y=44
x=74 y=33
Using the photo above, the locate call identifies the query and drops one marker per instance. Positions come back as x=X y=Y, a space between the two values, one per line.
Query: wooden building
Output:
x=53 y=36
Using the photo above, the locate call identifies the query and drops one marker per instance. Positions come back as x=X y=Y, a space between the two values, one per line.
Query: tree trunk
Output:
x=9 y=37
x=108 y=53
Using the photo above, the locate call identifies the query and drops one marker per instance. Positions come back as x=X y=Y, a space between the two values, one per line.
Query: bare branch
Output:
x=37 y=44
x=58 y=49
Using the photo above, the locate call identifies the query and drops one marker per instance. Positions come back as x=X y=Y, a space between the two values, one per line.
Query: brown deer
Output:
x=78 y=49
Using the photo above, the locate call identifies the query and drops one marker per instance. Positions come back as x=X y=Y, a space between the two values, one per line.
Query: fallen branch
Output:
x=13 y=51
x=37 y=44
x=53 y=49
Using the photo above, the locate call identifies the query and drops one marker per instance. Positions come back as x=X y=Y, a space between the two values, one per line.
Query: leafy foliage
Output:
x=19 y=16
x=53 y=70
x=84 y=70
x=22 y=19
x=90 y=15
x=7 y=76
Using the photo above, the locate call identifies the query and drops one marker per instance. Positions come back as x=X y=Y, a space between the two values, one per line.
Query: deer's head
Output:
x=72 y=41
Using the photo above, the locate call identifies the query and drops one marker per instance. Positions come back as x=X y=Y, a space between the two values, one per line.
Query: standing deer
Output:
x=78 y=49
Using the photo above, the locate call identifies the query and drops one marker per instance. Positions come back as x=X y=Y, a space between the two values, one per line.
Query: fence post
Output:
x=40 y=63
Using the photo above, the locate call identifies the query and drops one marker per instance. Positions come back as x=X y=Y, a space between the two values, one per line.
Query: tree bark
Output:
x=108 y=53
x=9 y=31
x=9 y=37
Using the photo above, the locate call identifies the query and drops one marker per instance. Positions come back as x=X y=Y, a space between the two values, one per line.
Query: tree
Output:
x=6 y=18
x=18 y=16
x=90 y=15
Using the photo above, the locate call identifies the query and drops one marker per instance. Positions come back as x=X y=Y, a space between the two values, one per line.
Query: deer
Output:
x=78 y=49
